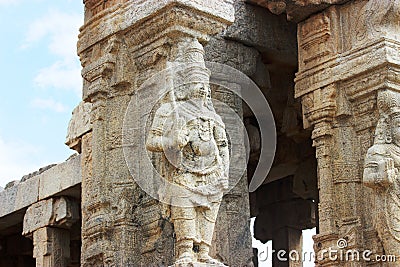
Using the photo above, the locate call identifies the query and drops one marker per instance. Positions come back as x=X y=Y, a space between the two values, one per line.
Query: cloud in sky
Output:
x=15 y=2
x=60 y=75
x=49 y=104
x=9 y=2
x=16 y=160
x=61 y=29
x=50 y=82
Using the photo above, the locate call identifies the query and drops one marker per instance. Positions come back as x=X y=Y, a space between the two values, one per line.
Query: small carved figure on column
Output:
x=381 y=172
x=193 y=140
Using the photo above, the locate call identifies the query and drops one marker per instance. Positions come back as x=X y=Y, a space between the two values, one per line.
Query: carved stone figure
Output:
x=381 y=172
x=193 y=140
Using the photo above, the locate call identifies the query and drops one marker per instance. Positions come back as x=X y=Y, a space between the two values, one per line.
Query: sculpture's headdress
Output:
x=195 y=69
x=389 y=108
x=389 y=103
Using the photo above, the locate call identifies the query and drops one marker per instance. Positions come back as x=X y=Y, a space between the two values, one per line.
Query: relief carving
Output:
x=94 y=7
x=375 y=17
x=192 y=138
x=79 y=125
x=381 y=171
x=314 y=36
x=56 y=212
x=108 y=67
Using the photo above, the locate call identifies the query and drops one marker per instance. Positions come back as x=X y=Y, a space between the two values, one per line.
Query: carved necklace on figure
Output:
x=204 y=129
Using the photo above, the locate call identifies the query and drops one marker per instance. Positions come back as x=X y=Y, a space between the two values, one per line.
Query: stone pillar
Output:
x=122 y=44
x=51 y=247
x=347 y=53
x=47 y=223
x=288 y=240
x=295 y=244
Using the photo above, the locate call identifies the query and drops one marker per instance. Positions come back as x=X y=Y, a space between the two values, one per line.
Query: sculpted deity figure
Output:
x=192 y=138
x=381 y=172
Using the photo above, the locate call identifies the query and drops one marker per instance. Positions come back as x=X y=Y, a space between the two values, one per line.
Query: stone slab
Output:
x=132 y=13
x=47 y=184
x=20 y=196
x=296 y=10
x=61 y=177
x=233 y=54
x=268 y=33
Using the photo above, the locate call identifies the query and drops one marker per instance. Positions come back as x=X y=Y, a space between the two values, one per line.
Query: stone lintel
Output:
x=132 y=14
x=58 y=212
x=381 y=58
x=47 y=184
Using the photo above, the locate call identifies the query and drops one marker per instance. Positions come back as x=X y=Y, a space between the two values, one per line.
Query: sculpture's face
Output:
x=396 y=131
x=200 y=90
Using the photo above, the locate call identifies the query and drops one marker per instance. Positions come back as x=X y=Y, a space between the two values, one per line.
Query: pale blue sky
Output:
x=40 y=82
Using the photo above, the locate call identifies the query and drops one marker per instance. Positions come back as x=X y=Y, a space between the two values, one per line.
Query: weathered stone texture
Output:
x=123 y=17
x=56 y=212
x=60 y=177
x=233 y=54
x=79 y=125
x=271 y=35
x=51 y=247
x=297 y=10
x=19 y=196
x=40 y=171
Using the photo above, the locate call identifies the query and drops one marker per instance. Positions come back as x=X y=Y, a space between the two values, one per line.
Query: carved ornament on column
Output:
x=56 y=212
x=203 y=176
x=353 y=57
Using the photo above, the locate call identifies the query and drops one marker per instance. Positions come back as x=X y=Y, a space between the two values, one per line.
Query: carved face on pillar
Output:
x=381 y=171
x=196 y=160
x=395 y=130
x=197 y=83
x=199 y=90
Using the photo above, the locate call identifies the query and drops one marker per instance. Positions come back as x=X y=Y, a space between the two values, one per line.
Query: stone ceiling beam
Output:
x=296 y=10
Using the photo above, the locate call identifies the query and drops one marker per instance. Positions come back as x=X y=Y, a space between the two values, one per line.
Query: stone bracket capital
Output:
x=97 y=75
x=59 y=212
x=319 y=105
x=99 y=69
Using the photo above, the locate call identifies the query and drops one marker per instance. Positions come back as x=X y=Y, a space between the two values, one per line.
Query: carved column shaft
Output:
x=47 y=223
x=122 y=44
x=51 y=247
x=347 y=54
